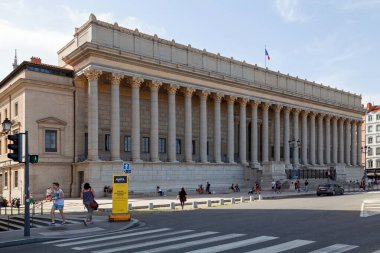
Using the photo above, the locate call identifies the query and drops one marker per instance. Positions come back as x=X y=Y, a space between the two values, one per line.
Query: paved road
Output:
x=309 y=224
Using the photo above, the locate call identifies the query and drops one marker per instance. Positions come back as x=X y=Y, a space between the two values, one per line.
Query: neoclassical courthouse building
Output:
x=179 y=115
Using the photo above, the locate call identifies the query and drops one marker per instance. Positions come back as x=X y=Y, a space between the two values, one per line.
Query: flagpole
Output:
x=265 y=57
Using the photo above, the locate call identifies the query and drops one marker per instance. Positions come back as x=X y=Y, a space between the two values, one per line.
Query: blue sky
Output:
x=334 y=42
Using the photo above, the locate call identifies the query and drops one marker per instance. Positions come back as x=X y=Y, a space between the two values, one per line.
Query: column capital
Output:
x=320 y=115
x=359 y=122
x=217 y=96
x=335 y=118
x=203 y=94
x=296 y=111
x=287 y=109
x=305 y=113
x=254 y=104
x=312 y=114
x=265 y=105
x=230 y=99
x=243 y=101
x=347 y=121
x=154 y=85
x=277 y=108
x=136 y=81
x=172 y=88
x=328 y=117
x=92 y=74
x=188 y=91
x=116 y=78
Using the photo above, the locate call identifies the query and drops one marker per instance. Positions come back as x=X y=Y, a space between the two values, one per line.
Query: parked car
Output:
x=330 y=189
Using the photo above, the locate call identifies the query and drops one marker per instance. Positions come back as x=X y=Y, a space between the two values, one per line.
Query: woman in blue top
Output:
x=88 y=196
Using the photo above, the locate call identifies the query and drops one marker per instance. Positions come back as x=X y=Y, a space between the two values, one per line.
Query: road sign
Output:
x=127 y=169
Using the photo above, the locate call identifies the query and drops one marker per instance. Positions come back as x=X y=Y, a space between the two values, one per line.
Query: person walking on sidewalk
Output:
x=306 y=185
x=208 y=185
x=59 y=199
x=182 y=196
x=88 y=196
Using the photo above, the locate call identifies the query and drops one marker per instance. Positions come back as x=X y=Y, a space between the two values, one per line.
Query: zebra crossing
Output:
x=370 y=207
x=156 y=240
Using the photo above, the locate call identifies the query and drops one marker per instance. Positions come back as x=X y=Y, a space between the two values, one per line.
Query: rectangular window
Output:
x=178 y=146
x=377 y=163
x=162 y=145
x=370 y=140
x=107 y=142
x=369 y=129
x=377 y=139
x=208 y=148
x=377 y=116
x=6 y=113
x=16 y=178
x=50 y=140
x=193 y=146
x=0 y=118
x=377 y=151
x=16 y=109
x=1 y=145
x=369 y=151
x=145 y=145
x=127 y=144
x=6 y=179
x=377 y=128
x=369 y=117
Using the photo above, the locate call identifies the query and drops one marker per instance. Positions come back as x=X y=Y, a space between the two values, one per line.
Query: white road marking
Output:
x=370 y=208
x=190 y=244
x=336 y=248
x=282 y=247
x=72 y=232
x=111 y=237
x=91 y=246
x=145 y=244
x=234 y=245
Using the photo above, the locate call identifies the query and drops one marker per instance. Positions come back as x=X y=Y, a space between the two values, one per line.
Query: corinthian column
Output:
x=328 y=143
x=115 y=116
x=203 y=129
x=286 y=135
x=277 y=140
x=172 y=90
x=154 y=86
x=348 y=142
x=295 y=134
x=320 y=139
x=312 y=138
x=359 y=150
x=93 y=118
x=335 y=140
x=304 y=137
x=353 y=144
x=217 y=128
x=188 y=124
x=135 y=84
x=265 y=138
x=243 y=131
x=230 y=131
x=341 y=141
x=254 y=139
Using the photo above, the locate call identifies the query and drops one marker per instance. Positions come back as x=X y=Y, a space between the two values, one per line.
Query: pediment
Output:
x=51 y=121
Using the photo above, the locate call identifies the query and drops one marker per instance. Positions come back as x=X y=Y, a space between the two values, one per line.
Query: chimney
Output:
x=369 y=106
x=35 y=60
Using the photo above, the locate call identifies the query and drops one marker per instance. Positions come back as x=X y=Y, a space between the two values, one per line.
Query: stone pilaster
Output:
x=348 y=141
x=312 y=138
x=136 y=140
x=327 y=140
x=203 y=125
x=154 y=87
x=230 y=131
x=320 y=139
x=341 y=141
x=115 y=116
x=359 y=150
x=93 y=117
x=217 y=128
x=254 y=137
x=172 y=90
x=286 y=135
x=265 y=137
x=243 y=131
x=353 y=143
x=304 y=138
x=335 y=140
x=277 y=133
x=296 y=134
x=188 y=124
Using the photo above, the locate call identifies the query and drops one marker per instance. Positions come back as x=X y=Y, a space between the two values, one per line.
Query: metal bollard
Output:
x=172 y=205
x=232 y=200
x=260 y=197
x=151 y=206
x=130 y=206
x=195 y=205
x=42 y=208
x=241 y=199
x=221 y=201
x=209 y=203
x=251 y=198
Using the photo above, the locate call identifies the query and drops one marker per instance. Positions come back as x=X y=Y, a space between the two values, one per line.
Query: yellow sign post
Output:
x=120 y=198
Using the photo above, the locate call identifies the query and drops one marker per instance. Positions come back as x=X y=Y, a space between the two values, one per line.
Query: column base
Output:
x=137 y=161
x=232 y=162
x=116 y=159
x=189 y=161
x=218 y=162
x=156 y=161
x=175 y=161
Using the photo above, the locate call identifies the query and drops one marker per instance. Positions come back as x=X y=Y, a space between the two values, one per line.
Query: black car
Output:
x=330 y=189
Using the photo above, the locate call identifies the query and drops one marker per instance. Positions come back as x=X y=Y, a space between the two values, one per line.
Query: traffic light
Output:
x=16 y=146
x=33 y=158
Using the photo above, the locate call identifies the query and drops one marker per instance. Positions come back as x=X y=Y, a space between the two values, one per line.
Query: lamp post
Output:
x=293 y=144
x=7 y=124
x=365 y=150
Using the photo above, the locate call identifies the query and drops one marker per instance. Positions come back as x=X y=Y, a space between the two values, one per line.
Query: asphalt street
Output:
x=305 y=224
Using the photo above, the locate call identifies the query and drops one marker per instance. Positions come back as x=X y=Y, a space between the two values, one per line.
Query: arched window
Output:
x=378 y=163
x=370 y=164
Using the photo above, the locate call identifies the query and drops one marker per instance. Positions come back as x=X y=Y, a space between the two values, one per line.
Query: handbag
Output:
x=94 y=205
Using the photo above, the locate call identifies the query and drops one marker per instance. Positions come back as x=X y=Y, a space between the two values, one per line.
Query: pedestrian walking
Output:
x=88 y=196
x=273 y=186
x=298 y=186
x=306 y=185
x=208 y=185
x=182 y=195
x=278 y=186
x=257 y=188
x=58 y=203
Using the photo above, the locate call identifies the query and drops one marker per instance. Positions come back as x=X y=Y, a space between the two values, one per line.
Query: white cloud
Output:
x=289 y=10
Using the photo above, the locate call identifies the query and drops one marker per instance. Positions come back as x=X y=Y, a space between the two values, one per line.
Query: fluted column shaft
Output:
x=359 y=150
x=341 y=141
x=243 y=131
x=286 y=135
x=320 y=139
x=188 y=124
x=353 y=144
x=230 y=130
x=154 y=86
x=335 y=141
x=172 y=157
x=277 y=131
x=115 y=116
x=304 y=137
x=135 y=84
x=348 y=142
x=265 y=138
x=254 y=137
x=312 y=138
x=203 y=125
x=217 y=128
x=93 y=117
x=328 y=142
x=295 y=135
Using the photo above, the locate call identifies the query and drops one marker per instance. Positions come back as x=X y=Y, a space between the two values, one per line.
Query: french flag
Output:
x=267 y=54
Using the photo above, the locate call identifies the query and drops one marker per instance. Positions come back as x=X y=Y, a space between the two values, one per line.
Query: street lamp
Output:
x=6 y=125
x=293 y=144
x=365 y=150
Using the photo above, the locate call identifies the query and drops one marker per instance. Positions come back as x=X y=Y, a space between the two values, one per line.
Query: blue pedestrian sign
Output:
x=127 y=168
